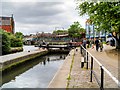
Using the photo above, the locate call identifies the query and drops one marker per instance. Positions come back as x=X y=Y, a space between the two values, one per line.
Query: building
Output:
x=47 y=37
x=91 y=32
x=7 y=24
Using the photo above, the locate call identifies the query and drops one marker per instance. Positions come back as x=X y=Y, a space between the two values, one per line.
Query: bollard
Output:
x=82 y=62
x=76 y=49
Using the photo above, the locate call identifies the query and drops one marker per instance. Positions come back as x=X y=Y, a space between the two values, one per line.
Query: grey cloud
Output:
x=39 y=16
x=32 y=12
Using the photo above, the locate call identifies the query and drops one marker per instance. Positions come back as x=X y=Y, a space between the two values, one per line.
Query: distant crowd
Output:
x=97 y=42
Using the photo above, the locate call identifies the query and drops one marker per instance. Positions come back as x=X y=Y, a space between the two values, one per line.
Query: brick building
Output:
x=7 y=24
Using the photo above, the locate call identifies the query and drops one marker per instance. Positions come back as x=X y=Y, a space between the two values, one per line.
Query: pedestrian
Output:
x=101 y=45
x=88 y=43
x=97 y=44
x=91 y=43
x=113 y=42
x=84 y=43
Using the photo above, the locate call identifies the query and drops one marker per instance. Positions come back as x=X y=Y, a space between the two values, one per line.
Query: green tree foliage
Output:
x=76 y=30
x=15 y=40
x=104 y=15
x=19 y=35
x=60 y=32
x=19 y=39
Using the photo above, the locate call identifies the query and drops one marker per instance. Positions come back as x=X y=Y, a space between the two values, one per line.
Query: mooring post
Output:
x=91 y=69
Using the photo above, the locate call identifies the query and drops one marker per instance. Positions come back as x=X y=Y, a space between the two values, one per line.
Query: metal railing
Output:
x=100 y=82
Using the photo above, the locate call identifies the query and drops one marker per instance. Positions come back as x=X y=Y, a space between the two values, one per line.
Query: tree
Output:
x=76 y=30
x=60 y=32
x=19 y=35
x=104 y=15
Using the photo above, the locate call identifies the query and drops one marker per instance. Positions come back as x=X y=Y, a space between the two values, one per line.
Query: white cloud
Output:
x=42 y=15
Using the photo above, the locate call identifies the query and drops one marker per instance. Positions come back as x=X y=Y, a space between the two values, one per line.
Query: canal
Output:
x=36 y=73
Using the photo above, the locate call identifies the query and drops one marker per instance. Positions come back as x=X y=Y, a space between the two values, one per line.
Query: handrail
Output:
x=107 y=71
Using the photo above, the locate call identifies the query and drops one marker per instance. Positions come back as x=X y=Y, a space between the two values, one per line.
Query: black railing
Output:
x=100 y=82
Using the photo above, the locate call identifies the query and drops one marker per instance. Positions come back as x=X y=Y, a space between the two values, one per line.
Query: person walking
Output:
x=84 y=43
x=87 y=43
x=101 y=45
x=97 y=44
x=92 y=43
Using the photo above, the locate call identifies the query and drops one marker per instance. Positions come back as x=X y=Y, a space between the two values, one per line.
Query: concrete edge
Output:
x=8 y=64
x=59 y=71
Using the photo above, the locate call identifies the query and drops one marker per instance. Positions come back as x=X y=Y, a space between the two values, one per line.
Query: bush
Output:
x=5 y=43
x=9 y=40
x=15 y=42
x=16 y=49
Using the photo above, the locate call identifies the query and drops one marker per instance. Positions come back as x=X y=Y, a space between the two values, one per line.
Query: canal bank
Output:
x=36 y=73
x=12 y=60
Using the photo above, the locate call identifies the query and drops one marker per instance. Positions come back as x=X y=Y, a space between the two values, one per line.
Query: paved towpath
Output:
x=109 y=59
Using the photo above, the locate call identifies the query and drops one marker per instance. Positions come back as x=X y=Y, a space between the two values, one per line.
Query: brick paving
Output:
x=80 y=77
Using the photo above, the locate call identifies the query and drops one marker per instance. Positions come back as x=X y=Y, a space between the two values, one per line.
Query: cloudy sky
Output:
x=33 y=16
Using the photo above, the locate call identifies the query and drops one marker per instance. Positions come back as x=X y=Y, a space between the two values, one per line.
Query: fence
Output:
x=85 y=54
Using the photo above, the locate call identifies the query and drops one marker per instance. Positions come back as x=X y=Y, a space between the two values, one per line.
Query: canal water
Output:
x=36 y=73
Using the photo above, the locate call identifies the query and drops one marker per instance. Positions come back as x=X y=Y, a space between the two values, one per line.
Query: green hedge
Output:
x=10 y=40
x=5 y=43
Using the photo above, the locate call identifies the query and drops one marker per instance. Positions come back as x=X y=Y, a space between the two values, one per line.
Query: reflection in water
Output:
x=48 y=59
x=36 y=73
x=7 y=76
x=44 y=62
